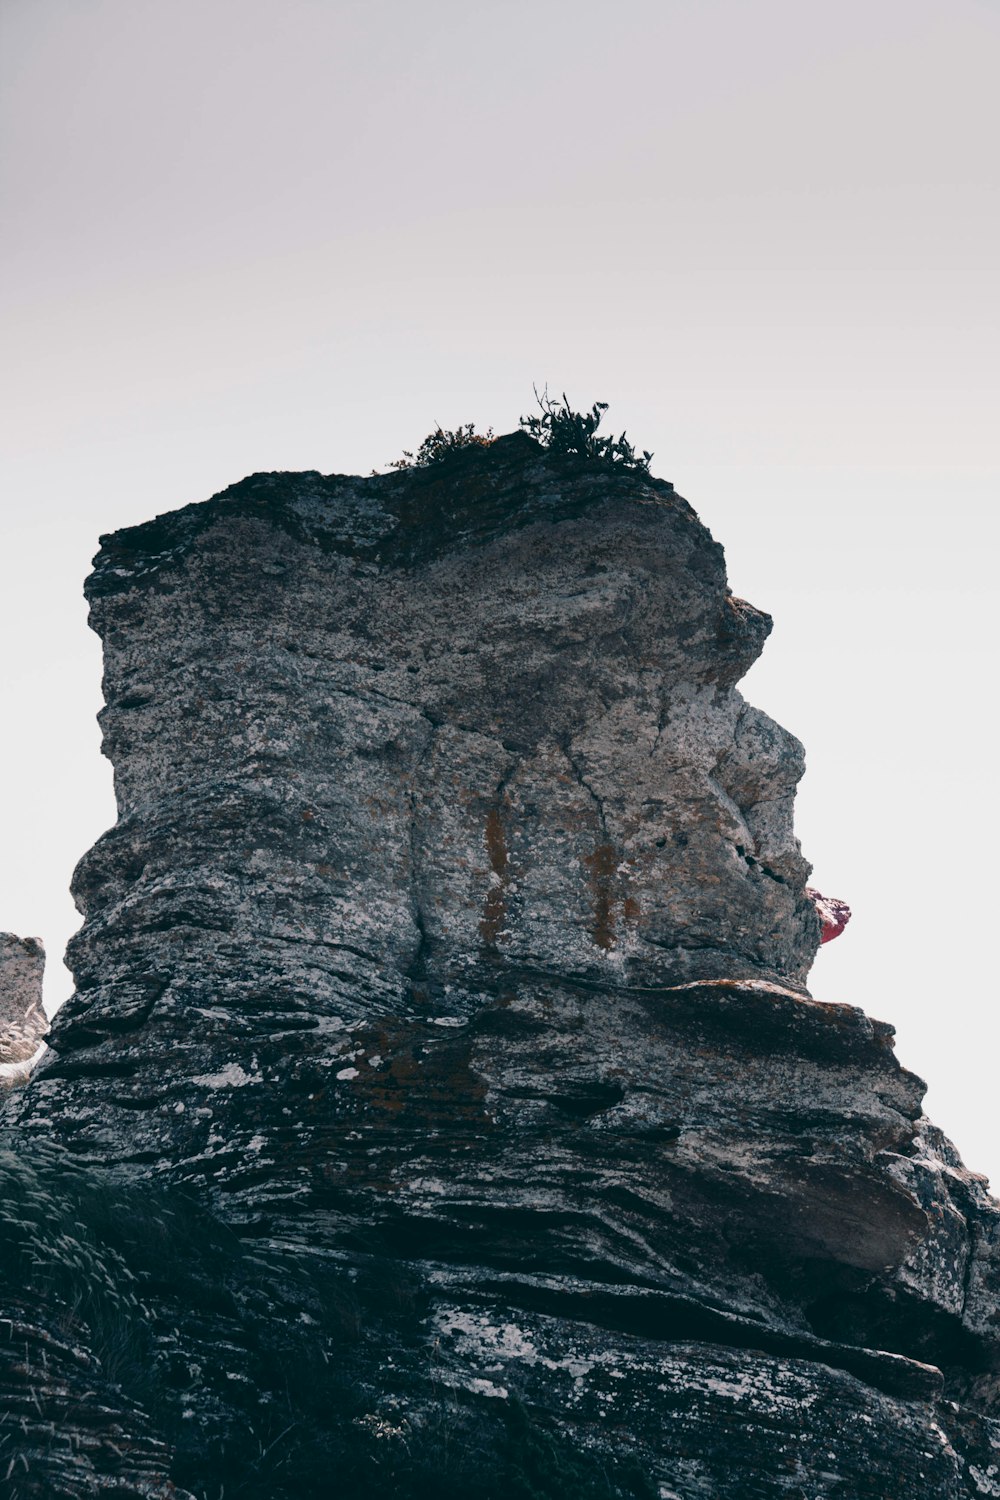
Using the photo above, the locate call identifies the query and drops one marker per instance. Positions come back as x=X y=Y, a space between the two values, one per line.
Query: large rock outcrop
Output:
x=441 y=1091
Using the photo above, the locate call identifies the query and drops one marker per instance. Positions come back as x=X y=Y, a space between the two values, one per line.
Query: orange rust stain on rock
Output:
x=602 y=865
x=631 y=909
x=495 y=904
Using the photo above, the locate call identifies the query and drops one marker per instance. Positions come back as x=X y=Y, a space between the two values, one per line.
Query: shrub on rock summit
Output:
x=441 y=444
x=563 y=430
x=557 y=427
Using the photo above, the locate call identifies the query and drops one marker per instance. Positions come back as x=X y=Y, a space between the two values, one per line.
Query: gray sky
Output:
x=286 y=234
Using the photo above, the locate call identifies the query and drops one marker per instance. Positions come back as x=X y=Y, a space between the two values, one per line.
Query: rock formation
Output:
x=441 y=1108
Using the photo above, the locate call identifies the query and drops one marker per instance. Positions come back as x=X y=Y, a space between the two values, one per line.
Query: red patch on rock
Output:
x=833 y=914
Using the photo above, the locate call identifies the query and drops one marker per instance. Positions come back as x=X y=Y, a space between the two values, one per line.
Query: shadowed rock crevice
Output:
x=441 y=1106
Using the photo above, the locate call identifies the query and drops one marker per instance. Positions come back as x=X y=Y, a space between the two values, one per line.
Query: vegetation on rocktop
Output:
x=441 y=444
x=556 y=426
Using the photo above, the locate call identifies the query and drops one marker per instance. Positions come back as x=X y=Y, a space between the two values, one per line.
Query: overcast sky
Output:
x=296 y=234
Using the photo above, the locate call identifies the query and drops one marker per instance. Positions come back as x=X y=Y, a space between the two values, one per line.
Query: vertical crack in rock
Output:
x=974 y=1246
x=601 y=864
x=441 y=1106
x=417 y=969
x=494 y=915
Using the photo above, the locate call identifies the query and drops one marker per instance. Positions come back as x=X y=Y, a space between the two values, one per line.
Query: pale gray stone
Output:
x=23 y=1023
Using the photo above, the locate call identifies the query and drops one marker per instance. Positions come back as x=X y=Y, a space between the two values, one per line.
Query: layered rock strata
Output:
x=441 y=1080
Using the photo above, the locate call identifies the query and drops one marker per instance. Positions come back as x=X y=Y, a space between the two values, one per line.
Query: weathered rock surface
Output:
x=441 y=1093
x=23 y=1022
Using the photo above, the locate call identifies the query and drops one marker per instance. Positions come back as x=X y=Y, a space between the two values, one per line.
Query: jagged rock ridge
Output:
x=441 y=1065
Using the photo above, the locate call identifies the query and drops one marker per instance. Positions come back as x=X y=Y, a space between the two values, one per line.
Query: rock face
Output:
x=23 y=1022
x=441 y=1098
